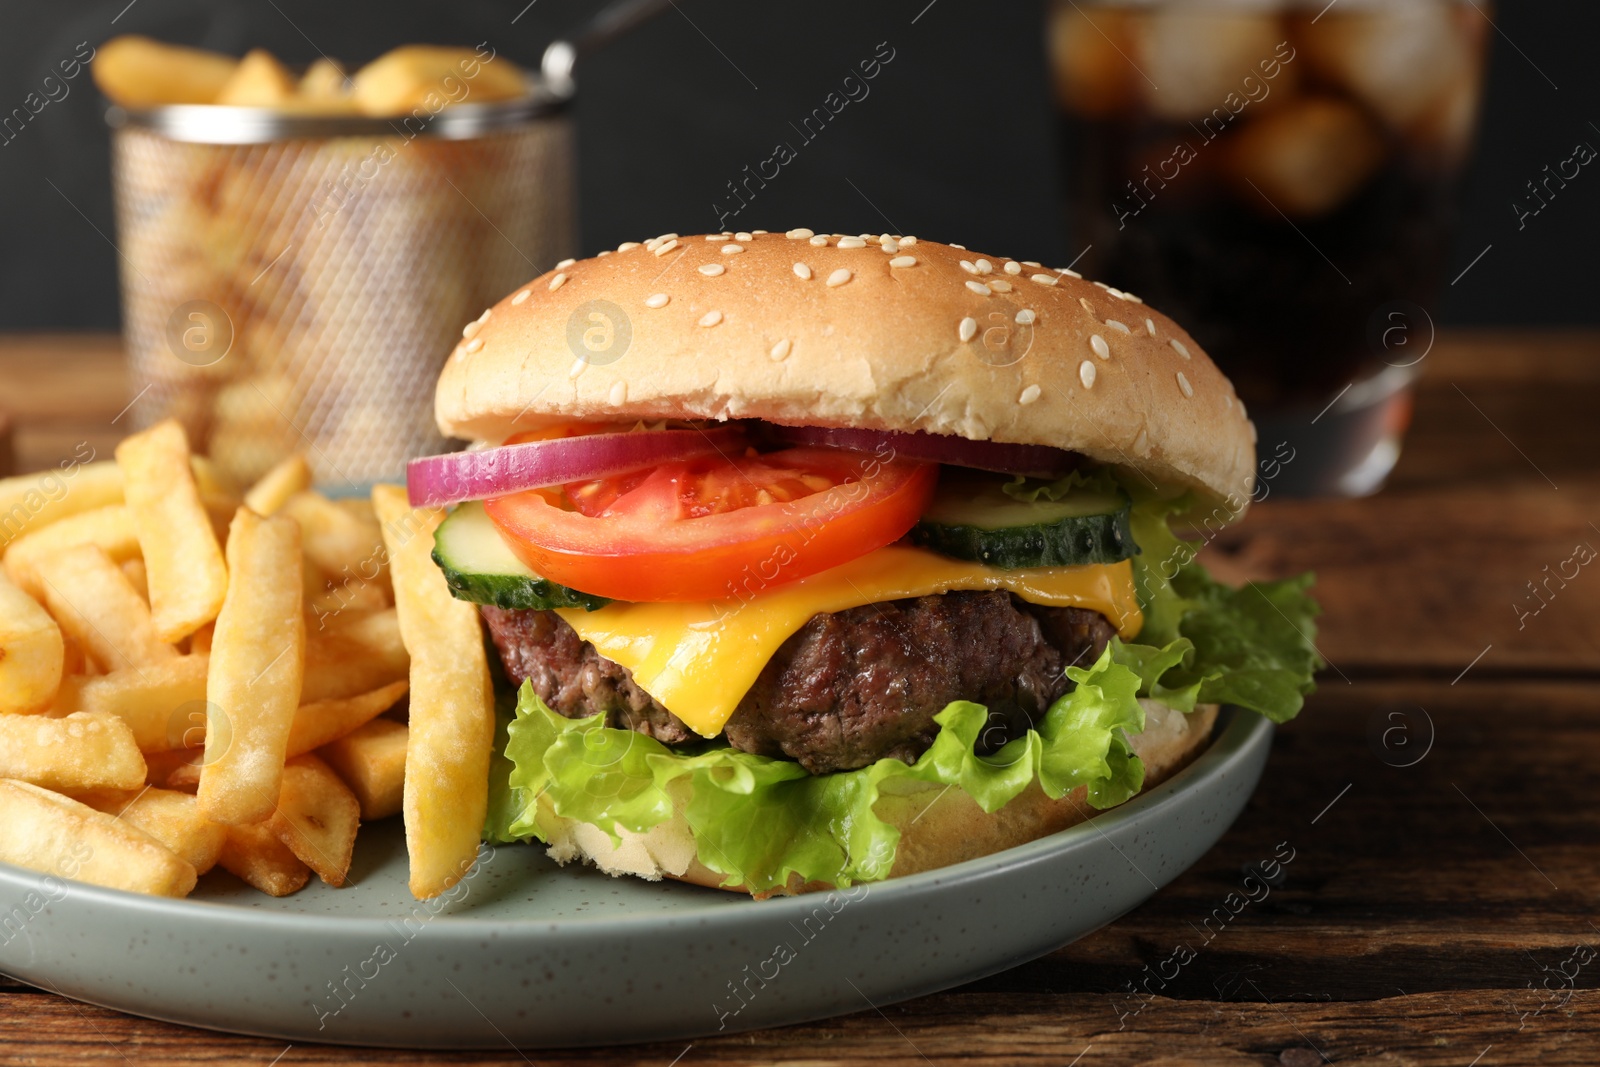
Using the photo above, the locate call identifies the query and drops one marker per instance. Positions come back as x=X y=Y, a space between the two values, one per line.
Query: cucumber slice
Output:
x=974 y=519
x=478 y=566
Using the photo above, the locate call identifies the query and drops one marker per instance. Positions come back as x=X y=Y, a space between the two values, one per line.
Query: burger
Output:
x=815 y=559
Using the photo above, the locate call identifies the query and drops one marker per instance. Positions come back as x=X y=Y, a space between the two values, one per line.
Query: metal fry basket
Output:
x=295 y=282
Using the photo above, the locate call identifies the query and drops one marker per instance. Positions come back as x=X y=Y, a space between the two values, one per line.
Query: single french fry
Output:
x=292 y=475
x=32 y=652
x=138 y=72
x=260 y=80
x=339 y=543
x=47 y=832
x=318 y=724
x=30 y=502
x=188 y=577
x=171 y=818
x=98 y=607
x=164 y=704
x=260 y=858
x=80 y=751
x=372 y=762
x=324 y=80
x=110 y=527
x=353 y=656
x=452 y=702
x=407 y=77
x=317 y=817
x=354 y=597
x=256 y=665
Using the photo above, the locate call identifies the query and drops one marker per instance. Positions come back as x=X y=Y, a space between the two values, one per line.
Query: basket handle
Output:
x=611 y=22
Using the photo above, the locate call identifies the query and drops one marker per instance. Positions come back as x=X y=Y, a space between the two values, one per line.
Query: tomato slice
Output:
x=715 y=526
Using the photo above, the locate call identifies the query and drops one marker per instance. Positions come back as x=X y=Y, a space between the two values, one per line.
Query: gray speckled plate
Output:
x=531 y=954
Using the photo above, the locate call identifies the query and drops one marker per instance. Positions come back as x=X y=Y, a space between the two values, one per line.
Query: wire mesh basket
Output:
x=294 y=283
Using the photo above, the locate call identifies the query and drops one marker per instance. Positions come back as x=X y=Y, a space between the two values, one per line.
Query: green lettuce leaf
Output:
x=758 y=820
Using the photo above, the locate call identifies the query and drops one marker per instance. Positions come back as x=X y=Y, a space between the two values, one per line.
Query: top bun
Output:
x=883 y=333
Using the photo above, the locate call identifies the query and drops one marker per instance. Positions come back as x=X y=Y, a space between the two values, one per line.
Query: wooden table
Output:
x=1437 y=913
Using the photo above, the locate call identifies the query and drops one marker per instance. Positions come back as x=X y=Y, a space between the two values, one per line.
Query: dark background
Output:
x=955 y=142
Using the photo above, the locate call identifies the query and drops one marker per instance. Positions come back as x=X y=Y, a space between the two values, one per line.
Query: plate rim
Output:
x=1237 y=732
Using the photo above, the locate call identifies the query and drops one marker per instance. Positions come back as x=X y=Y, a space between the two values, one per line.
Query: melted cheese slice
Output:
x=699 y=659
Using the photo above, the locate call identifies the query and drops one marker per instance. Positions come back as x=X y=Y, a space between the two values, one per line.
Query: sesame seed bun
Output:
x=938 y=827
x=875 y=333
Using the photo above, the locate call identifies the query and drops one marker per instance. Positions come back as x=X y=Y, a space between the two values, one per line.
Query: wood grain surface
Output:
x=1438 y=792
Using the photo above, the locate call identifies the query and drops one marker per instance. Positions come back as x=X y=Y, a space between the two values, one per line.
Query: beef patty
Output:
x=849 y=688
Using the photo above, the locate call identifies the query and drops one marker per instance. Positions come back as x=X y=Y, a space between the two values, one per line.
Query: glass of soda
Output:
x=1283 y=179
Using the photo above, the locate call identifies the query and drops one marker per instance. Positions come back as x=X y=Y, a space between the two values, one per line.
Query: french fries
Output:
x=110 y=527
x=326 y=721
x=98 y=607
x=259 y=80
x=260 y=858
x=47 y=832
x=162 y=703
x=254 y=674
x=354 y=656
x=138 y=72
x=372 y=762
x=407 y=77
x=452 y=702
x=272 y=491
x=31 y=502
x=187 y=575
x=81 y=751
x=317 y=817
x=171 y=818
x=333 y=536
x=32 y=652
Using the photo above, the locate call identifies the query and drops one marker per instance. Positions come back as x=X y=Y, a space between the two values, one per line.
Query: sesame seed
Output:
x=711 y=318
x=619 y=394
x=969 y=266
x=838 y=277
x=1227 y=403
x=557 y=282
x=732 y=250
x=1180 y=348
x=954 y=245
x=1029 y=395
x=485 y=316
x=1069 y=272
x=1119 y=326
x=1043 y=279
x=711 y=270
x=907 y=241
x=717 y=236
x=865 y=236
x=1130 y=297
x=819 y=241
x=780 y=350
x=1098 y=344
x=1141 y=444
x=1086 y=374
x=474 y=344
x=1085 y=305
x=577 y=368
x=520 y=297
x=1026 y=317
x=903 y=261
x=624 y=246
x=758 y=233
x=978 y=287
x=744 y=237
x=852 y=242
x=889 y=247
x=885 y=238
x=1150 y=324
x=663 y=249
x=1030 y=263
x=1241 y=409
x=565 y=263
x=968 y=328
x=471 y=328
x=1104 y=286
x=603 y=252
x=1183 y=383
x=656 y=300
x=802 y=272
x=799 y=233
x=1012 y=267
x=984 y=266
x=999 y=285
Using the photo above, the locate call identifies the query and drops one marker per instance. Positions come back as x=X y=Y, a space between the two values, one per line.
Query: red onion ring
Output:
x=1036 y=461
x=434 y=481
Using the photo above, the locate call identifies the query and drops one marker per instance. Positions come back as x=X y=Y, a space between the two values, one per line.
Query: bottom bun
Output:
x=938 y=826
